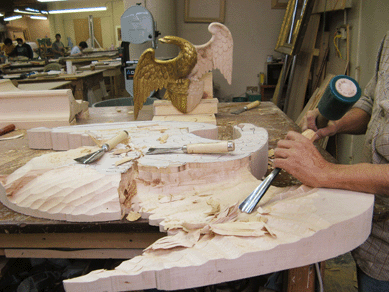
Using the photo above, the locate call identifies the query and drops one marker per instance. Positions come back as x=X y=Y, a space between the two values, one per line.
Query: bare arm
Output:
x=299 y=157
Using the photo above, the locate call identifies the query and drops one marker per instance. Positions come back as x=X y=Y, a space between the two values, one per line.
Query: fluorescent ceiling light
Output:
x=86 y=9
x=38 y=17
x=50 y=0
x=44 y=12
x=1 y=14
x=12 y=17
x=32 y=10
x=25 y=12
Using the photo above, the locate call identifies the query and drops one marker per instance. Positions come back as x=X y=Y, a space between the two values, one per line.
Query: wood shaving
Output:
x=133 y=216
x=97 y=142
x=239 y=228
x=215 y=205
x=11 y=138
x=121 y=151
x=146 y=126
x=163 y=139
x=169 y=198
x=271 y=153
x=86 y=151
x=181 y=239
x=124 y=160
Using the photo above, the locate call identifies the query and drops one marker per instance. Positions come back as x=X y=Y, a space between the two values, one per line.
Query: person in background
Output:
x=8 y=46
x=22 y=49
x=58 y=47
x=77 y=50
x=370 y=115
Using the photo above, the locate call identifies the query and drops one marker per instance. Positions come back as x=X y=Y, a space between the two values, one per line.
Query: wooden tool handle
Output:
x=217 y=147
x=253 y=104
x=117 y=139
x=7 y=129
x=310 y=134
x=321 y=121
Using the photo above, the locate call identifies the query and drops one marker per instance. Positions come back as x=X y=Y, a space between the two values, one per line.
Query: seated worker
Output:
x=8 y=46
x=58 y=47
x=77 y=50
x=370 y=115
x=22 y=49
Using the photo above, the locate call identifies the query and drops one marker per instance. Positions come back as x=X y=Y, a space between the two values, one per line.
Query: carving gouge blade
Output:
x=253 y=199
x=92 y=157
x=247 y=107
x=197 y=148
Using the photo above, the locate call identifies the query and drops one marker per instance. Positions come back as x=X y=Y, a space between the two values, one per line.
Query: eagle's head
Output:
x=172 y=40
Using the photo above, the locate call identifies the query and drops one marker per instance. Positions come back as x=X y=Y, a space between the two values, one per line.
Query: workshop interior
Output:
x=138 y=141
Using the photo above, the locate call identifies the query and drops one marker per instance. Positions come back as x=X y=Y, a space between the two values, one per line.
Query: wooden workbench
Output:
x=82 y=82
x=25 y=236
x=112 y=71
x=87 y=57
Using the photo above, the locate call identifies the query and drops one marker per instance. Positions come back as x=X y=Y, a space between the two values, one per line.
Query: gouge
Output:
x=196 y=148
x=247 y=107
x=106 y=147
x=252 y=200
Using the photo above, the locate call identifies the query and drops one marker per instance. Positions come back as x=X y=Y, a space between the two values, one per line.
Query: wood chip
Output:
x=163 y=139
x=133 y=216
x=120 y=151
x=124 y=160
x=97 y=142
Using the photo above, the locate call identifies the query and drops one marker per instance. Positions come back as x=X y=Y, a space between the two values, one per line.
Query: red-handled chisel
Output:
x=7 y=129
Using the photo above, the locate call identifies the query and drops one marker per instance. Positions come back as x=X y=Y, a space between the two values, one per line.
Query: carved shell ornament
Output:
x=181 y=76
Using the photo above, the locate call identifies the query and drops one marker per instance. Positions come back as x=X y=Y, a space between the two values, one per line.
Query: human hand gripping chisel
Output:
x=253 y=199
x=341 y=93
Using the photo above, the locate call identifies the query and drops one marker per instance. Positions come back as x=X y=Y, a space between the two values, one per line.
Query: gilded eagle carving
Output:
x=181 y=76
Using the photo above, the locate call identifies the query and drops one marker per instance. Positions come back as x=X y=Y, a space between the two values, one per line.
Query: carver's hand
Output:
x=298 y=156
x=309 y=122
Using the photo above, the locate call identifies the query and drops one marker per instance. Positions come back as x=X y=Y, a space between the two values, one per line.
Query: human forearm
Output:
x=355 y=121
x=363 y=177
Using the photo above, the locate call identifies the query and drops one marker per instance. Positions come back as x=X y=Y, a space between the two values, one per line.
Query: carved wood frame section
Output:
x=189 y=17
x=295 y=21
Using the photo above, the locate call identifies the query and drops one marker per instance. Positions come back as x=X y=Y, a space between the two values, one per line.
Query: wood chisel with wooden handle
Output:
x=196 y=148
x=247 y=107
x=123 y=135
x=7 y=129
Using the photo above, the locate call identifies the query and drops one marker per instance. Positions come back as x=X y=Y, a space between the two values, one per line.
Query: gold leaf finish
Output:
x=152 y=74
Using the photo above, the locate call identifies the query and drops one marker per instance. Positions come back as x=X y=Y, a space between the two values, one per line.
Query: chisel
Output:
x=196 y=148
x=247 y=107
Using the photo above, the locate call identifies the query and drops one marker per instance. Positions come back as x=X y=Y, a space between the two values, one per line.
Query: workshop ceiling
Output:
x=7 y=6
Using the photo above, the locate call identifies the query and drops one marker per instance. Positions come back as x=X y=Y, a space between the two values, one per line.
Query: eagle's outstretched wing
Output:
x=150 y=74
x=215 y=54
